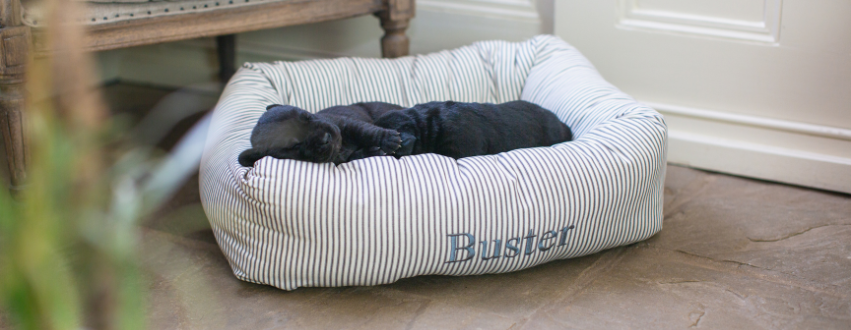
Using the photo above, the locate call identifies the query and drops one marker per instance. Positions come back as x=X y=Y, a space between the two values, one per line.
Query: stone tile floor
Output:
x=734 y=253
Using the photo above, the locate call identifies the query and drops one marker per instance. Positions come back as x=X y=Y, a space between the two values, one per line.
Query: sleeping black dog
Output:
x=454 y=129
x=458 y=130
x=336 y=135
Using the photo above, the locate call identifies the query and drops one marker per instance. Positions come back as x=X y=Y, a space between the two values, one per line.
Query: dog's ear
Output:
x=248 y=157
x=272 y=106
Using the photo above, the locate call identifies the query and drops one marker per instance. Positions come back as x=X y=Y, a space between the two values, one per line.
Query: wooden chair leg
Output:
x=14 y=49
x=12 y=128
x=394 y=43
x=226 y=48
x=394 y=21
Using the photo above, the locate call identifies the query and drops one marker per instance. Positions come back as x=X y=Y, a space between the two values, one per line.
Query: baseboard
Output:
x=784 y=151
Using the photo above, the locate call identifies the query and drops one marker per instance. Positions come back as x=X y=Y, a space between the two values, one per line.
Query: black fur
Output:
x=337 y=134
x=459 y=130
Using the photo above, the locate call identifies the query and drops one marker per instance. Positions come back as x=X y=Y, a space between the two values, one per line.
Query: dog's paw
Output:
x=408 y=141
x=391 y=142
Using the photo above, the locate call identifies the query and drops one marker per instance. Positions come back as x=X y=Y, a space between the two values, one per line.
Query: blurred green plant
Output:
x=68 y=238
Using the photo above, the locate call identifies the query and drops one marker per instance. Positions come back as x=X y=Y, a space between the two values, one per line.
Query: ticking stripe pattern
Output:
x=294 y=224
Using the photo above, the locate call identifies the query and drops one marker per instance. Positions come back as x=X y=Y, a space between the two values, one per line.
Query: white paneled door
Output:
x=759 y=88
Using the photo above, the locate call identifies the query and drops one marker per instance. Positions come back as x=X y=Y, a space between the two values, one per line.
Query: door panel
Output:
x=746 y=10
x=747 y=20
x=744 y=84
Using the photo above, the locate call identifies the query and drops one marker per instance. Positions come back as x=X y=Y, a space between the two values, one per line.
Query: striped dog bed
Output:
x=294 y=224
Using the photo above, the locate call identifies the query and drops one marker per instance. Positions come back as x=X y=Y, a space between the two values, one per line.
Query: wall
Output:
x=439 y=24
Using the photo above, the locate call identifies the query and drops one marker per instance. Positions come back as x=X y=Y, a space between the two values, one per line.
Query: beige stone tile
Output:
x=191 y=286
x=659 y=289
x=514 y=294
x=789 y=229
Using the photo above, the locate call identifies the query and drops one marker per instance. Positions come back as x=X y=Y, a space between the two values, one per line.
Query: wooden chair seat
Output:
x=99 y=12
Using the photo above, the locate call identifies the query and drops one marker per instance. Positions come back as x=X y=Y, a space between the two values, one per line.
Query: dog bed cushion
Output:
x=293 y=224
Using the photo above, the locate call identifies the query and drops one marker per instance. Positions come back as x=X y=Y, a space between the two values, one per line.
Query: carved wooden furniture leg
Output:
x=14 y=51
x=11 y=126
x=394 y=21
x=226 y=47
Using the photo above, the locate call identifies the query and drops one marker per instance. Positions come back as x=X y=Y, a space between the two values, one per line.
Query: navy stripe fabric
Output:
x=293 y=224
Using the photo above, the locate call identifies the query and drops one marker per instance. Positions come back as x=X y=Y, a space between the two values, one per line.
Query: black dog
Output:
x=469 y=129
x=337 y=134
x=345 y=133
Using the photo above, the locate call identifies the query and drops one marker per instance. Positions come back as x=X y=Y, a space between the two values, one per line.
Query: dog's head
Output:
x=287 y=132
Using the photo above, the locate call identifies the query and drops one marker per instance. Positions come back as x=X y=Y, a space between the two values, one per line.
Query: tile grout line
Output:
x=751 y=271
